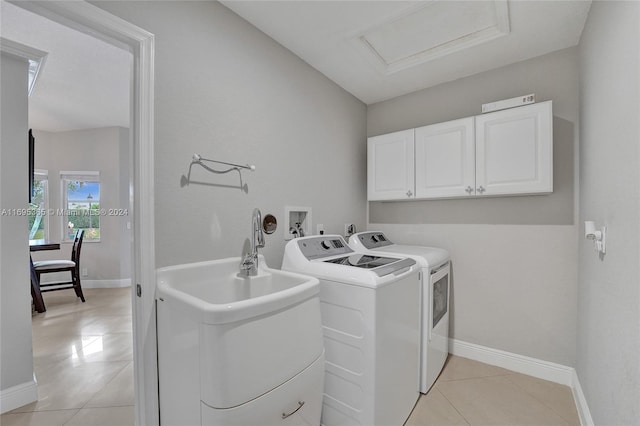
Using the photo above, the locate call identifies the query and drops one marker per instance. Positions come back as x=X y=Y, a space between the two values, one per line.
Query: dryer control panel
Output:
x=323 y=246
x=372 y=240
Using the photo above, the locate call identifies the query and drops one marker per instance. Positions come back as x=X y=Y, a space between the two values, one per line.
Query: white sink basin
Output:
x=226 y=342
x=216 y=292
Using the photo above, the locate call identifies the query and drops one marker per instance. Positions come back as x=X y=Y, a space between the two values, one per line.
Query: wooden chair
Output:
x=72 y=266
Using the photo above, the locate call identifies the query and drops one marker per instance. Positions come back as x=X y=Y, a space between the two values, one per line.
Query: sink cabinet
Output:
x=507 y=152
x=236 y=350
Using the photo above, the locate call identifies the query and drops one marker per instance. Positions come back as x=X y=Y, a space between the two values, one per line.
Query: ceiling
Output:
x=375 y=50
x=84 y=82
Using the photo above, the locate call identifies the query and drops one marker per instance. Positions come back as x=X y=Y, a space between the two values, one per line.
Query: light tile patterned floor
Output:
x=472 y=393
x=83 y=361
x=83 y=364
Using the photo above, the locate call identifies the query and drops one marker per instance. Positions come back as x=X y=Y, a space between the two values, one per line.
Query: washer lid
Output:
x=380 y=265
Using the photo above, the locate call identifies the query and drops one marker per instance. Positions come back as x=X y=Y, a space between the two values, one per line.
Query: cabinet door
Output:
x=390 y=172
x=445 y=159
x=514 y=151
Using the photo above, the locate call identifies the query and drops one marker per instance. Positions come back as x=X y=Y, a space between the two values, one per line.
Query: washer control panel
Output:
x=323 y=246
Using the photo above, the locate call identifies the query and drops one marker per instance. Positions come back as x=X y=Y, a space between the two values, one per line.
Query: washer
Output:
x=370 y=318
x=435 y=292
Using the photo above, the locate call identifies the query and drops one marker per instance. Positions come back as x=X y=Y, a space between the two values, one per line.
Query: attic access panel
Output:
x=433 y=30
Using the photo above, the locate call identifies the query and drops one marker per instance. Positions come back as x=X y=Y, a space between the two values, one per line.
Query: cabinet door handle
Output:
x=480 y=189
x=409 y=193
x=285 y=415
x=469 y=190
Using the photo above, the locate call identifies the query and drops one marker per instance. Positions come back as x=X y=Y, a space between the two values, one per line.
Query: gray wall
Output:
x=16 y=367
x=514 y=279
x=104 y=150
x=608 y=360
x=226 y=91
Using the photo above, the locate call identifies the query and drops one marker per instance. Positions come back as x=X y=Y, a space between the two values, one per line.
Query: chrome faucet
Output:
x=249 y=266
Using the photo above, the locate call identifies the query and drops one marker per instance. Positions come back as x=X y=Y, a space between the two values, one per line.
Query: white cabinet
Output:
x=390 y=166
x=445 y=159
x=514 y=151
x=508 y=152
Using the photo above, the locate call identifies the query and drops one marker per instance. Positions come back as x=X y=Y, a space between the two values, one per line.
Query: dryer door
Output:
x=438 y=328
x=439 y=289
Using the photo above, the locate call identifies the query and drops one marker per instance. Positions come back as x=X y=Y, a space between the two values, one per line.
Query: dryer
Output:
x=370 y=313
x=435 y=294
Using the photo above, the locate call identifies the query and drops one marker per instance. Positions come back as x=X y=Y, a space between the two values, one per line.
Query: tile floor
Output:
x=472 y=393
x=83 y=361
x=84 y=367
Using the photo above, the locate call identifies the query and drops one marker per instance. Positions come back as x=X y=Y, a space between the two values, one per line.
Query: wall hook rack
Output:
x=197 y=159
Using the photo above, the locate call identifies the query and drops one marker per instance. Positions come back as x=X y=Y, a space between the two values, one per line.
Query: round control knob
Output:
x=325 y=245
x=374 y=238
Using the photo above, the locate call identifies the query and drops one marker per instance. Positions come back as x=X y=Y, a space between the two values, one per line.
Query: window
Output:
x=38 y=218
x=81 y=193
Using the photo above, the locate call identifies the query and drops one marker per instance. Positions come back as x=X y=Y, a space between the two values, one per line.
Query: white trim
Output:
x=64 y=174
x=97 y=22
x=124 y=282
x=522 y=364
x=20 y=50
x=34 y=56
x=581 y=402
x=545 y=370
x=19 y=395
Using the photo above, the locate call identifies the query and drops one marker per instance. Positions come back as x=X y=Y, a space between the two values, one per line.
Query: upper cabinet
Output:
x=445 y=159
x=514 y=151
x=390 y=167
x=508 y=152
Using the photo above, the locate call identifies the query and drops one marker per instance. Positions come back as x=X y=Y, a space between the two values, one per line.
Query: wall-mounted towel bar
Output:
x=197 y=159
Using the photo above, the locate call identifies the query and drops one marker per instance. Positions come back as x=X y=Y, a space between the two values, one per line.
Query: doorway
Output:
x=92 y=20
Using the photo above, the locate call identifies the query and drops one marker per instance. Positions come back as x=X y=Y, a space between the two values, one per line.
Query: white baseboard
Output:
x=522 y=364
x=17 y=396
x=125 y=282
x=545 y=370
x=581 y=402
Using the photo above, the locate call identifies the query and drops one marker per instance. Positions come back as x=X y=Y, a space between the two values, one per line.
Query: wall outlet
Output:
x=320 y=229
x=84 y=272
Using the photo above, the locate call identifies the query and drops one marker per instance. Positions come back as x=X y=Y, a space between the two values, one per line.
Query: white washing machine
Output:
x=370 y=313
x=435 y=292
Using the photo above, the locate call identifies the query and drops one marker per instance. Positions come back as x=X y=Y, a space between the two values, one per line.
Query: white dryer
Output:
x=370 y=313
x=435 y=292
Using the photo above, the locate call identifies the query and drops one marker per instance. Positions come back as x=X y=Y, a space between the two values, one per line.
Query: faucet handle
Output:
x=247 y=262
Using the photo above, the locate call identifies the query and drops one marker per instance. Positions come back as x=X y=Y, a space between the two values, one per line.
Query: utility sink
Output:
x=228 y=344
x=218 y=293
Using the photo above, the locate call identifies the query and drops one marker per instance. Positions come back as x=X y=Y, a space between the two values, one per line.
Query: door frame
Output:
x=99 y=23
